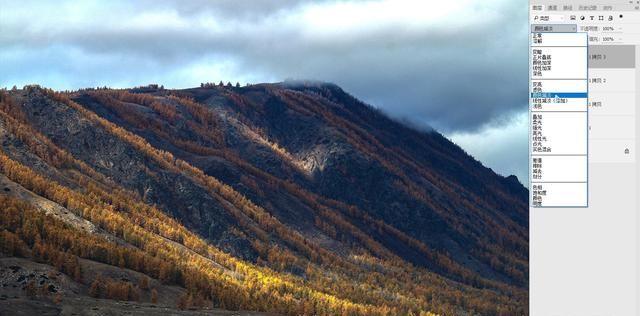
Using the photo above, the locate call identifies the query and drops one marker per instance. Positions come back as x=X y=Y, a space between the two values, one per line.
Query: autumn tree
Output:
x=154 y=296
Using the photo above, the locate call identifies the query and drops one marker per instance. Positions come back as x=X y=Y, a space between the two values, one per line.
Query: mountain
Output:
x=289 y=198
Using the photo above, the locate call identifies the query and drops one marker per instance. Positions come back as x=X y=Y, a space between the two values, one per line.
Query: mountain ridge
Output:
x=299 y=179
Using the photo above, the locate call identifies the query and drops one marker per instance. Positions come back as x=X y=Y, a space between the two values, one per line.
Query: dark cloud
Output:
x=455 y=77
x=231 y=10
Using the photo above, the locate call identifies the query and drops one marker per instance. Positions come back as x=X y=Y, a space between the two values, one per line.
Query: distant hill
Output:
x=289 y=198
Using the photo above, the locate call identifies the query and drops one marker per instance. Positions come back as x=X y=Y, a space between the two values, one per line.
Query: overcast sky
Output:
x=459 y=66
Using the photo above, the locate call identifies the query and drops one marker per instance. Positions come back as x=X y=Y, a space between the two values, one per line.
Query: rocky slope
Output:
x=347 y=209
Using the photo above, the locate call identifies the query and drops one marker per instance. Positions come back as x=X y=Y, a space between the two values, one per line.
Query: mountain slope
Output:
x=294 y=198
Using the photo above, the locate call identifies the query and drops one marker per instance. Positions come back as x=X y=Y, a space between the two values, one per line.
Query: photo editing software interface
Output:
x=584 y=97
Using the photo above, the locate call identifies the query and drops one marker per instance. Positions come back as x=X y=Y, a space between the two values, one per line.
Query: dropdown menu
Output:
x=558 y=109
